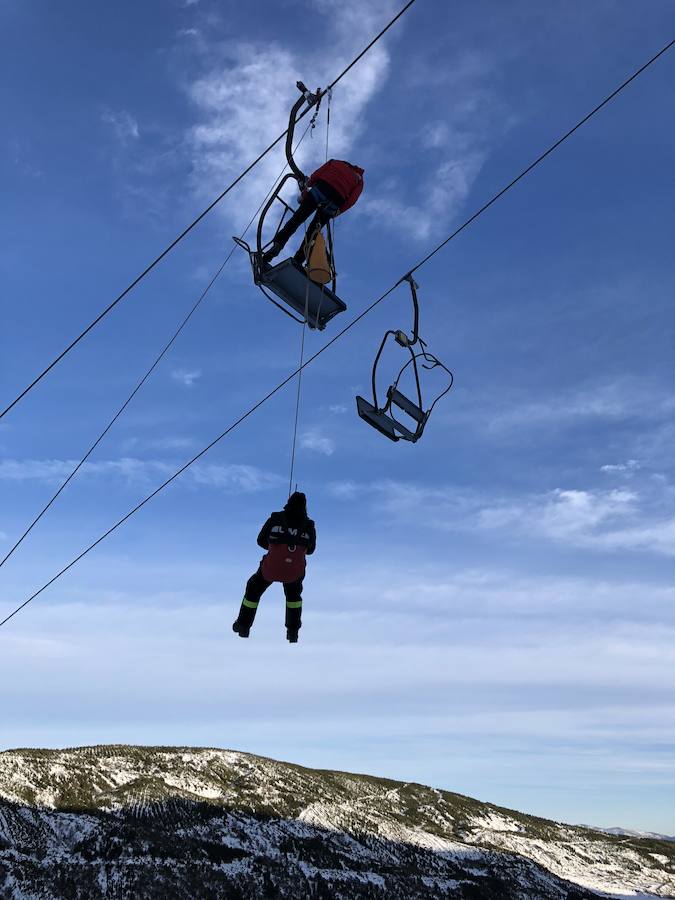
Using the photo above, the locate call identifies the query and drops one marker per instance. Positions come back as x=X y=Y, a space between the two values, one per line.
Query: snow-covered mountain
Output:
x=630 y=832
x=161 y=822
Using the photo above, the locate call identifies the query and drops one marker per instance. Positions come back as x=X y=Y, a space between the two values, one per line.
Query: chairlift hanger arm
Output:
x=416 y=309
x=331 y=255
x=375 y=364
x=311 y=100
x=286 y=279
x=404 y=341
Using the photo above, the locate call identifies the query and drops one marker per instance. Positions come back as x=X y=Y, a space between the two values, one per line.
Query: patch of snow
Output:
x=491 y=821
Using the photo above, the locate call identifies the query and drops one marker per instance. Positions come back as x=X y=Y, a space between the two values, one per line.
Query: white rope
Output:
x=304 y=324
x=300 y=369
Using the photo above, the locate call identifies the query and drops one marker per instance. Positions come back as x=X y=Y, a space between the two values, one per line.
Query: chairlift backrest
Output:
x=409 y=408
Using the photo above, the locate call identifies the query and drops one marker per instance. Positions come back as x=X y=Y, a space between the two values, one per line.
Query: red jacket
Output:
x=286 y=547
x=345 y=178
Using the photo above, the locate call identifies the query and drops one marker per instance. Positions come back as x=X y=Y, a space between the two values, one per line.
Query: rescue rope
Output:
x=330 y=228
x=329 y=93
x=249 y=412
x=329 y=224
x=297 y=396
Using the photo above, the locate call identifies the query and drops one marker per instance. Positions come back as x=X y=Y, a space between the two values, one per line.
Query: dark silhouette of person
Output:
x=288 y=537
x=329 y=191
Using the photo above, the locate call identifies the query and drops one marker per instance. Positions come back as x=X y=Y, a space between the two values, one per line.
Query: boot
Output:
x=240 y=630
x=292 y=635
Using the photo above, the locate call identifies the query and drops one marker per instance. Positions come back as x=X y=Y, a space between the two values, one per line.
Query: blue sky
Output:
x=491 y=610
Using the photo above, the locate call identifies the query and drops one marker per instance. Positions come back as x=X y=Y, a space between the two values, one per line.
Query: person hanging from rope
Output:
x=287 y=536
x=329 y=191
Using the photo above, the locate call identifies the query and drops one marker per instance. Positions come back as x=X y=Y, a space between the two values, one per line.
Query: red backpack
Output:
x=284 y=563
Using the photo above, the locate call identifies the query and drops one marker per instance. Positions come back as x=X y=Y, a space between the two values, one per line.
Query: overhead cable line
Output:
x=119 y=412
x=333 y=340
x=545 y=154
x=192 y=225
x=145 y=377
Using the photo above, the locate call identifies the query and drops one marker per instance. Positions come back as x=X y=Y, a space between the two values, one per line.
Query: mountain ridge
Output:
x=260 y=825
x=619 y=831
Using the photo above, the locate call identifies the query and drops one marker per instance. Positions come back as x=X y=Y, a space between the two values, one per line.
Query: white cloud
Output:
x=241 y=478
x=345 y=490
x=124 y=126
x=445 y=506
x=317 y=442
x=588 y=519
x=610 y=401
x=562 y=514
x=656 y=537
x=536 y=658
x=436 y=134
x=601 y=520
x=628 y=467
x=446 y=153
x=244 y=98
x=23 y=154
x=570 y=678
x=444 y=187
x=186 y=377
x=49 y=470
x=232 y=477
x=168 y=443
x=247 y=93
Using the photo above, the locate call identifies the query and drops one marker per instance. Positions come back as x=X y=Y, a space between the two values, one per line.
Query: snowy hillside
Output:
x=629 y=832
x=118 y=821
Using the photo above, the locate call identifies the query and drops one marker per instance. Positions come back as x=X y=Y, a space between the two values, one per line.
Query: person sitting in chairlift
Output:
x=287 y=536
x=329 y=191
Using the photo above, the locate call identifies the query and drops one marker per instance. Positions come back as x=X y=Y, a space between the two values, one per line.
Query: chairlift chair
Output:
x=383 y=418
x=304 y=293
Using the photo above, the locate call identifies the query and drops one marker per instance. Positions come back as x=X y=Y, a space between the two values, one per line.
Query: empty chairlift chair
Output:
x=384 y=418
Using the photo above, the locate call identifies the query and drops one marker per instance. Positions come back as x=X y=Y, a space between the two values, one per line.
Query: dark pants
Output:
x=256 y=587
x=325 y=211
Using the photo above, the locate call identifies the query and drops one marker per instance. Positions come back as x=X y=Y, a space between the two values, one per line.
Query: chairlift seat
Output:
x=408 y=407
x=386 y=424
x=290 y=283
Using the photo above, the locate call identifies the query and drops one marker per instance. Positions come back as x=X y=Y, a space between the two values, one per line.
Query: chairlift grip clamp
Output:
x=311 y=98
